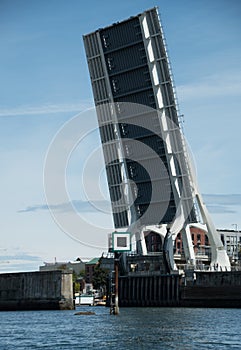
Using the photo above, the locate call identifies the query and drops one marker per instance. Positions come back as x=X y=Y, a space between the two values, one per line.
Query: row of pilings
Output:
x=162 y=290
x=207 y=289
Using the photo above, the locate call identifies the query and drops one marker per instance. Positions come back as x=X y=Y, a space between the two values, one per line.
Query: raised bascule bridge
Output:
x=151 y=178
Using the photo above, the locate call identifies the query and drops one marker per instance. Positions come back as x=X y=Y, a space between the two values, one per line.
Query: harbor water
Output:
x=133 y=328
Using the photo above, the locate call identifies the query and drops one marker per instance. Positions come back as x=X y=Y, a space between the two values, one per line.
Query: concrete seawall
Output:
x=49 y=290
x=213 y=289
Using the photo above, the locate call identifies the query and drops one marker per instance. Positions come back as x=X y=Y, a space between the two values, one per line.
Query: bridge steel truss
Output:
x=151 y=183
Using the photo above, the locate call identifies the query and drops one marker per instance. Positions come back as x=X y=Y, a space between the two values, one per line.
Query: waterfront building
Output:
x=89 y=270
x=232 y=243
x=76 y=267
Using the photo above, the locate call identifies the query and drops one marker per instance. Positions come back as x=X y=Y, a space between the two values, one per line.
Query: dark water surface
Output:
x=134 y=328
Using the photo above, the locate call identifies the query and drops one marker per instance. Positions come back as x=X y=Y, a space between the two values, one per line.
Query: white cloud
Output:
x=78 y=205
x=45 y=109
x=14 y=260
x=223 y=199
x=218 y=85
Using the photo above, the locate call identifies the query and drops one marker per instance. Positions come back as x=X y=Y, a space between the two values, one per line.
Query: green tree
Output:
x=100 y=277
x=75 y=280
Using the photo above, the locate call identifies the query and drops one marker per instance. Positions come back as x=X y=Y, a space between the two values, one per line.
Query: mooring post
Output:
x=114 y=287
x=121 y=242
x=116 y=307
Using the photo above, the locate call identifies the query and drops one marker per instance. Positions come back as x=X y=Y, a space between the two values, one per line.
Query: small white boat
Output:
x=84 y=299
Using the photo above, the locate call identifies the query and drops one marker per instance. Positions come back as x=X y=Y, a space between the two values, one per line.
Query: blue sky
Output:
x=45 y=83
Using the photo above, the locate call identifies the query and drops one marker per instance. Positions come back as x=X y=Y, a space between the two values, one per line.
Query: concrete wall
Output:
x=213 y=289
x=75 y=266
x=36 y=291
x=213 y=279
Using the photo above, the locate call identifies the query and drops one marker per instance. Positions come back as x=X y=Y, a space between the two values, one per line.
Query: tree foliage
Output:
x=76 y=281
x=100 y=277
